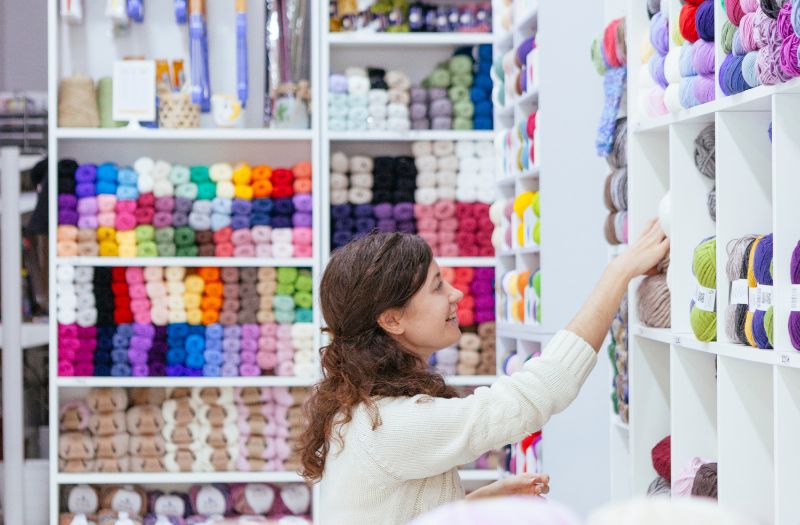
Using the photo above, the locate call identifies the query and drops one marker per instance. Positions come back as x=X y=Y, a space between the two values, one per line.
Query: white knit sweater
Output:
x=408 y=465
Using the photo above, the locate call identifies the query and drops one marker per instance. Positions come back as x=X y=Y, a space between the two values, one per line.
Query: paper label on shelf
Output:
x=127 y=501
x=705 y=298
x=259 y=496
x=82 y=500
x=169 y=505
x=764 y=297
x=739 y=292
x=753 y=299
x=796 y=297
x=210 y=501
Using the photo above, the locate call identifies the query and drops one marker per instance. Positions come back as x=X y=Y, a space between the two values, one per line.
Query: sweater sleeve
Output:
x=422 y=436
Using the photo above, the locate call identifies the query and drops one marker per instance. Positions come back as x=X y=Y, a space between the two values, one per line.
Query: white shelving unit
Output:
x=571 y=254
x=89 y=48
x=719 y=401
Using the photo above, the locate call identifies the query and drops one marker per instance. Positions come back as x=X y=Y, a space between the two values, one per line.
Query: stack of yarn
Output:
x=520 y=297
x=263 y=428
x=518 y=145
x=500 y=213
x=618 y=354
x=653 y=81
x=182 y=430
x=760 y=41
x=175 y=321
x=794 y=314
x=459 y=91
x=703 y=313
x=196 y=504
x=609 y=55
x=297 y=425
x=525 y=220
x=705 y=160
x=616 y=227
x=517 y=71
x=661 y=455
x=476 y=165
x=371 y=193
x=475 y=352
x=749 y=319
x=394 y=16
x=158 y=209
x=369 y=98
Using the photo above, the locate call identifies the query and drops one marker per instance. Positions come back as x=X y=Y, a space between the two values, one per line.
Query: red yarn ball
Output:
x=661 y=455
x=687 y=22
x=734 y=11
x=610 y=43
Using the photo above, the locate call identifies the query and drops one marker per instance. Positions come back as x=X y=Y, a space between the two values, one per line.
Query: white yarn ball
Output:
x=664 y=214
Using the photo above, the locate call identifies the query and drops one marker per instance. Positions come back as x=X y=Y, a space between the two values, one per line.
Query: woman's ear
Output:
x=391 y=321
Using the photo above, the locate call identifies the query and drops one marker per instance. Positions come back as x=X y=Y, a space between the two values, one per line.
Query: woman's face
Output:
x=429 y=322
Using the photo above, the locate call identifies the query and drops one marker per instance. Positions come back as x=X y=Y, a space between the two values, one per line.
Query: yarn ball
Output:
x=653 y=301
x=688 y=22
x=705 y=151
x=704 y=20
x=659 y=487
x=711 y=202
x=704 y=268
x=661 y=456
x=705 y=481
x=683 y=483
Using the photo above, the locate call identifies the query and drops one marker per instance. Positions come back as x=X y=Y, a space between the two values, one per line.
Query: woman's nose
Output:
x=455 y=295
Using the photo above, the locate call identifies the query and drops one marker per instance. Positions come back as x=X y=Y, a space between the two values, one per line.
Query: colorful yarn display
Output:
x=521 y=297
x=653 y=81
x=179 y=321
x=525 y=221
x=519 y=145
x=703 y=316
x=614 y=57
x=475 y=351
x=516 y=73
x=156 y=209
x=190 y=430
x=442 y=193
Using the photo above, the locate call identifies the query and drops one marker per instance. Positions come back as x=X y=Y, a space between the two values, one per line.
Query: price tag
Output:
x=739 y=292
x=752 y=299
x=705 y=298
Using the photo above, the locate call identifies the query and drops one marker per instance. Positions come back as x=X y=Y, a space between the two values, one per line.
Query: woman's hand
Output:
x=519 y=485
x=650 y=248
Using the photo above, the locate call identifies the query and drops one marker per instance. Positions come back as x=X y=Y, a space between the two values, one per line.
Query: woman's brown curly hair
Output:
x=362 y=280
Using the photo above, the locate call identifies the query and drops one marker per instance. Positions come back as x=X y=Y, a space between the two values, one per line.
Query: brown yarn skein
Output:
x=705 y=481
x=653 y=301
x=77 y=103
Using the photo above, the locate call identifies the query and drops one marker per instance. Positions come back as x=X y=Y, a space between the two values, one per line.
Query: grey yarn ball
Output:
x=618 y=158
x=659 y=487
x=653 y=301
x=712 y=203
x=653 y=7
x=704 y=152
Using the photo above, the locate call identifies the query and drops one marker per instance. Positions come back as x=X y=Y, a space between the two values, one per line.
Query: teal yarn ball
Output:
x=704 y=268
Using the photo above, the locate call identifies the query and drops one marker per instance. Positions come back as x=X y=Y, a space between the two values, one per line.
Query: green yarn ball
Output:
x=535 y=204
x=597 y=57
x=537 y=283
x=287 y=275
x=285 y=289
x=537 y=235
x=198 y=174
x=303 y=300
x=704 y=267
x=304 y=315
x=728 y=31
x=146 y=249
x=144 y=233
x=303 y=283
x=768 y=319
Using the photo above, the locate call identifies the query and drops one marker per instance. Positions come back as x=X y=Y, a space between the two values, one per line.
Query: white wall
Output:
x=23 y=45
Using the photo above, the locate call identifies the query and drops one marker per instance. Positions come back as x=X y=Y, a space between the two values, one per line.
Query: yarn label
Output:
x=705 y=298
x=170 y=505
x=739 y=293
x=82 y=500
x=210 y=502
x=796 y=297
x=764 y=297
x=753 y=299
x=128 y=501
x=259 y=497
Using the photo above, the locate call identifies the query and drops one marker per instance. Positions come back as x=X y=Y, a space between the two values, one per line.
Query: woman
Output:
x=385 y=434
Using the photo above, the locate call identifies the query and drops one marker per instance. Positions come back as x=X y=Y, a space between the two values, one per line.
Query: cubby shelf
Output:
x=509 y=180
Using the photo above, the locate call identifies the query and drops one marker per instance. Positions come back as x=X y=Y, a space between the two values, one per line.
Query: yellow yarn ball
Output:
x=647 y=48
x=522 y=202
